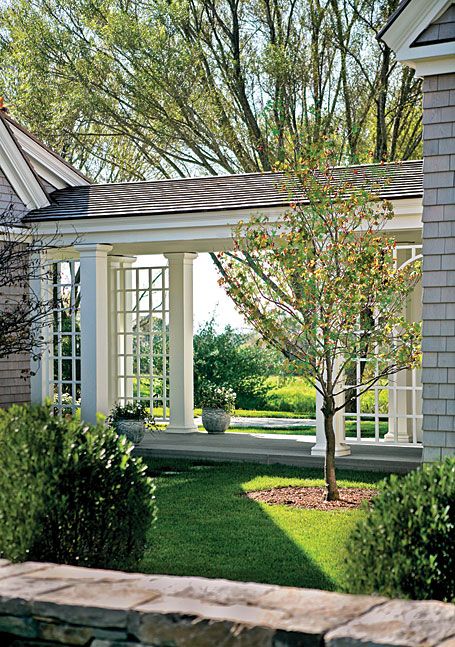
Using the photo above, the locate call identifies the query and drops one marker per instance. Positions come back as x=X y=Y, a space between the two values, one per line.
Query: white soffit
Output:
x=427 y=60
x=19 y=173
x=47 y=165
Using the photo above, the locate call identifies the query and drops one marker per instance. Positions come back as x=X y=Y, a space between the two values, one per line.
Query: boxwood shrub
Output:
x=70 y=492
x=404 y=546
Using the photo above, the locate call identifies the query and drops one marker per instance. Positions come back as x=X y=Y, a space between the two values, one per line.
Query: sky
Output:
x=209 y=297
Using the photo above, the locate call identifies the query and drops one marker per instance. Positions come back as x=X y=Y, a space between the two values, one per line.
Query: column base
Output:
x=174 y=429
x=402 y=437
x=342 y=449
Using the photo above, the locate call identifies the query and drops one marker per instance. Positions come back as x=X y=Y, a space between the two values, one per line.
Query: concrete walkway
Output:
x=276 y=448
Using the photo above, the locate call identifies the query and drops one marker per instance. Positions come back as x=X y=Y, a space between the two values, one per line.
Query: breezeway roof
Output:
x=397 y=180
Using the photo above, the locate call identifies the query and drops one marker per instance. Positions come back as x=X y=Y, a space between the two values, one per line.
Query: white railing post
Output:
x=94 y=314
x=181 y=395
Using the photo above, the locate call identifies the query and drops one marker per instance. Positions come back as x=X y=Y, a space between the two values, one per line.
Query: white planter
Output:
x=215 y=421
x=133 y=429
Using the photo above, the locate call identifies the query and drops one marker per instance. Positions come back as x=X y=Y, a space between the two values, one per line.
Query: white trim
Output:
x=198 y=232
x=47 y=165
x=18 y=172
x=427 y=60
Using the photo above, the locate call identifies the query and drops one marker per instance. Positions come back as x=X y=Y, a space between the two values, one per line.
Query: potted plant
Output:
x=217 y=406
x=130 y=420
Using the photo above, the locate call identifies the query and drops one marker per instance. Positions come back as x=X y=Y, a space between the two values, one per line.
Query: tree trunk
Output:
x=332 y=493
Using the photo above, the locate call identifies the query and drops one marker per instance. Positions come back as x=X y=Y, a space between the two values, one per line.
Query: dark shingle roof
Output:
x=398 y=180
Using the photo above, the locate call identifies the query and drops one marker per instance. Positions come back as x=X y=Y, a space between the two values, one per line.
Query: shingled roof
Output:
x=398 y=180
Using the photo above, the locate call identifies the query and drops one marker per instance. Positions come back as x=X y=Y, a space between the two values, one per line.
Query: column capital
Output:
x=121 y=260
x=93 y=249
x=180 y=256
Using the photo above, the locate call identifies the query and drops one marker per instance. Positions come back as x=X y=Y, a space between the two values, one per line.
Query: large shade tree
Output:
x=322 y=286
x=128 y=89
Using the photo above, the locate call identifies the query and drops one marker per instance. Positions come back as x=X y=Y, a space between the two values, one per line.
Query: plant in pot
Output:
x=217 y=406
x=130 y=420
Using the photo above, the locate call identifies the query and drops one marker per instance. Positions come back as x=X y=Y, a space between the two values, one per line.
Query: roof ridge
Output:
x=247 y=174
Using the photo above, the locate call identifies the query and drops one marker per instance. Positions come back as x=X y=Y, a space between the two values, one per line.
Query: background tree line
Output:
x=134 y=89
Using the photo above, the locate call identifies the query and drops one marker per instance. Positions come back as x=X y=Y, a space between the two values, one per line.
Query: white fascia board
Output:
x=19 y=174
x=427 y=60
x=47 y=165
x=162 y=233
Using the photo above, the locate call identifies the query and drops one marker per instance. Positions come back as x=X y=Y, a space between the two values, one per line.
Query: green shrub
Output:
x=291 y=394
x=70 y=492
x=404 y=546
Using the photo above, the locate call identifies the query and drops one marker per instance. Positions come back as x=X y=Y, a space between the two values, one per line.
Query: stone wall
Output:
x=439 y=267
x=14 y=378
x=46 y=604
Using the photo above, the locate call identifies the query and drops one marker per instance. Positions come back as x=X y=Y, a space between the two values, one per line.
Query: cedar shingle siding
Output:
x=439 y=267
x=14 y=381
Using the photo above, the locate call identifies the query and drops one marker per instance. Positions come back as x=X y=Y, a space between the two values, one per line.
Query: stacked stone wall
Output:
x=46 y=604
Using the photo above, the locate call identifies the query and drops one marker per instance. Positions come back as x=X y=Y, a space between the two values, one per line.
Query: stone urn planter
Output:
x=134 y=430
x=129 y=420
x=215 y=421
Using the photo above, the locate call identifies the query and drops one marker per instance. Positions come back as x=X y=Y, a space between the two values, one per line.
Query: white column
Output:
x=181 y=397
x=94 y=330
x=341 y=448
x=120 y=323
x=41 y=367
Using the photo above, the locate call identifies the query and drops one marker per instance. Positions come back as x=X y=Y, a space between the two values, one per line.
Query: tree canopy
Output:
x=133 y=89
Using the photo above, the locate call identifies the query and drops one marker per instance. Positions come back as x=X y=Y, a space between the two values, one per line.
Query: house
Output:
x=96 y=355
x=422 y=35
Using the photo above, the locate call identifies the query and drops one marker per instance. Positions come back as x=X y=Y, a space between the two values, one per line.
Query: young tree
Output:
x=322 y=285
x=23 y=310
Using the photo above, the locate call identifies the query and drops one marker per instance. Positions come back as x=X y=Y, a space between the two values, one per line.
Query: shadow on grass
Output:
x=206 y=528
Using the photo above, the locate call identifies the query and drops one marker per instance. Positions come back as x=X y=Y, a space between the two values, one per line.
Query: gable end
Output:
x=441 y=30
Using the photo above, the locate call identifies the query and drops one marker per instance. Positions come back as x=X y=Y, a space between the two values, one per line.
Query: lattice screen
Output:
x=392 y=409
x=141 y=307
x=66 y=336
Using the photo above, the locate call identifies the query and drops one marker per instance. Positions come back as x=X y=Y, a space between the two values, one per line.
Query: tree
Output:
x=322 y=286
x=133 y=89
x=234 y=359
x=23 y=309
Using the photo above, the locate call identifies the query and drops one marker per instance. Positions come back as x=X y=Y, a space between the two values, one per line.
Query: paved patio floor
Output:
x=276 y=448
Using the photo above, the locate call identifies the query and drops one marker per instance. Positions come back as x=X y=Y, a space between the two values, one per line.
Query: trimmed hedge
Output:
x=404 y=546
x=70 y=492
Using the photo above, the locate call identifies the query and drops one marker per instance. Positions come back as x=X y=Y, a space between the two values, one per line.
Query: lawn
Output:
x=206 y=528
x=368 y=429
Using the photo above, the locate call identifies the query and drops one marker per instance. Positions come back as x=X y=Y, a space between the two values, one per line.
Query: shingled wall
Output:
x=14 y=381
x=439 y=267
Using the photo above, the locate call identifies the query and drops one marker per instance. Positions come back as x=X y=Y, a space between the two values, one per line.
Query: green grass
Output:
x=367 y=427
x=246 y=413
x=206 y=528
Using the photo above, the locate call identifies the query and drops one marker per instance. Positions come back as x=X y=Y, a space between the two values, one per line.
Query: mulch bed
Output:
x=312 y=498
